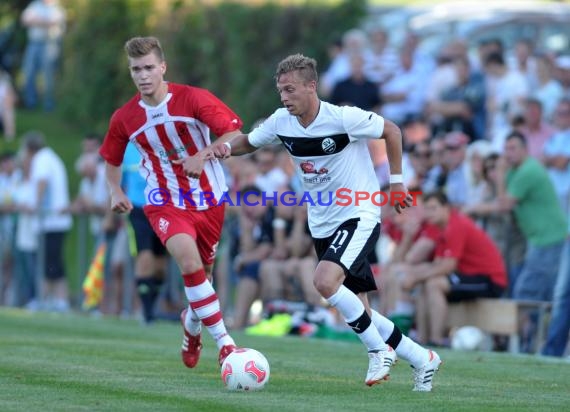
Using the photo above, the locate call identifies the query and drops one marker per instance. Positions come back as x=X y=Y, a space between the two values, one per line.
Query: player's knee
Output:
x=321 y=286
x=325 y=283
x=189 y=264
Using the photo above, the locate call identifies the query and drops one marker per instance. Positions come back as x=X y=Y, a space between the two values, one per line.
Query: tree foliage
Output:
x=230 y=48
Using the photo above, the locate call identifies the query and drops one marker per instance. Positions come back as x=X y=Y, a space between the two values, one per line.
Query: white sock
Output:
x=352 y=309
x=407 y=349
x=193 y=324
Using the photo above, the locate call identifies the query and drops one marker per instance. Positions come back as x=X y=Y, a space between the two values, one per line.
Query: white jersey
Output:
x=330 y=155
x=48 y=167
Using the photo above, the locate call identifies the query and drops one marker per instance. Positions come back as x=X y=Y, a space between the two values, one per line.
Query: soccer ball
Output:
x=245 y=370
x=468 y=338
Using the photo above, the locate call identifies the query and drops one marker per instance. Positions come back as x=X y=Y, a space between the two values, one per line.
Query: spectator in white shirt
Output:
x=548 y=90
x=10 y=177
x=270 y=178
x=93 y=196
x=403 y=95
x=49 y=177
x=354 y=41
x=506 y=99
x=557 y=154
x=563 y=73
x=382 y=62
x=26 y=242
x=524 y=61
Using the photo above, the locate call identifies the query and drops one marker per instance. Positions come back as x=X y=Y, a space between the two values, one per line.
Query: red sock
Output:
x=204 y=301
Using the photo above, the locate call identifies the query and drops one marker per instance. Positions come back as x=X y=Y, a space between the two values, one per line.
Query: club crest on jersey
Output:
x=308 y=167
x=163 y=224
x=328 y=145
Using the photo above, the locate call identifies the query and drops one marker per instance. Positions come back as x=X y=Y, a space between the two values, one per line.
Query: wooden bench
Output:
x=499 y=317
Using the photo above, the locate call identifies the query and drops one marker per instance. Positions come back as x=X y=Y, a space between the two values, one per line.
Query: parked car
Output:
x=547 y=24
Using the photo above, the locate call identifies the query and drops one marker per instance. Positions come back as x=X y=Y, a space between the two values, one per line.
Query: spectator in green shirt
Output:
x=530 y=195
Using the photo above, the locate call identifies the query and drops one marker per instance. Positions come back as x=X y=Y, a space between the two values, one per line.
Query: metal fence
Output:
x=79 y=251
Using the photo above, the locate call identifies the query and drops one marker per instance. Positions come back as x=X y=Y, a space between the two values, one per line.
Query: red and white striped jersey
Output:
x=178 y=127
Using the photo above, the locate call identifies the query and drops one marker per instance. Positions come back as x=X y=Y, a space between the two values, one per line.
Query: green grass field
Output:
x=74 y=363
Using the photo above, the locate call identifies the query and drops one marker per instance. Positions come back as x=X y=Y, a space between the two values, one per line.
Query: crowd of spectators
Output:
x=491 y=131
x=486 y=137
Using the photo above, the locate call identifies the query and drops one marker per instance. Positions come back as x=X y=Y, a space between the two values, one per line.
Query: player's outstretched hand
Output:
x=400 y=197
x=192 y=165
x=221 y=150
x=207 y=153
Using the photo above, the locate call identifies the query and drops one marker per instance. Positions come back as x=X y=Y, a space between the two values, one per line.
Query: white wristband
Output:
x=228 y=145
x=396 y=179
x=279 y=223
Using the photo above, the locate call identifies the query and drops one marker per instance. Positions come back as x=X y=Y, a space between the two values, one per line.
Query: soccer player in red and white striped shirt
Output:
x=170 y=125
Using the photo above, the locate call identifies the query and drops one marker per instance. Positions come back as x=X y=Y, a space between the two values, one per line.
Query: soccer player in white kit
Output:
x=328 y=145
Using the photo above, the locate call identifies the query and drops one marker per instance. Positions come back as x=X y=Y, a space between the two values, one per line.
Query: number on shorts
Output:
x=338 y=240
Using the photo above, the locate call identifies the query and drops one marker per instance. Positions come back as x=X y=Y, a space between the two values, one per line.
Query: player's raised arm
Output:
x=393 y=137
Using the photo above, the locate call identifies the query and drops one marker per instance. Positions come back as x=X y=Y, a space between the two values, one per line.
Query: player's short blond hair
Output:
x=306 y=66
x=141 y=46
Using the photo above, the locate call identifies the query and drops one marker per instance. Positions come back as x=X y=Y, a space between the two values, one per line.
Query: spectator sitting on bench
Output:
x=255 y=245
x=467 y=265
x=414 y=243
x=292 y=261
x=500 y=226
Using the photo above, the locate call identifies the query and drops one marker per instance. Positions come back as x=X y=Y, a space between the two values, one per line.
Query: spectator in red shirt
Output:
x=414 y=240
x=467 y=265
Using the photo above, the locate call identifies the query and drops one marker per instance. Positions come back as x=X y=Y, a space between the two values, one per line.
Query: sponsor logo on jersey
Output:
x=308 y=167
x=167 y=155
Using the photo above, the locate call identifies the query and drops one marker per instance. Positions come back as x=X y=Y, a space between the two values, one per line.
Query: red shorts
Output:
x=204 y=226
